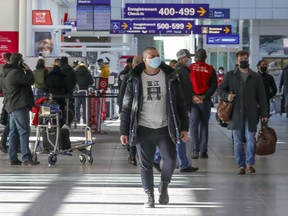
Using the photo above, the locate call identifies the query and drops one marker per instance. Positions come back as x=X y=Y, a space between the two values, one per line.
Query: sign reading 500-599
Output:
x=166 y=11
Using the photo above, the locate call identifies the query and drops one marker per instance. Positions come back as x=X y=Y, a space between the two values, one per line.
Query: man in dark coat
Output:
x=16 y=82
x=71 y=80
x=284 y=83
x=56 y=85
x=154 y=114
x=124 y=72
x=269 y=82
x=246 y=89
x=84 y=80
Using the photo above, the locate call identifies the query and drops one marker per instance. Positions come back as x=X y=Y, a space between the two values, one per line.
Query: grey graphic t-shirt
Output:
x=153 y=113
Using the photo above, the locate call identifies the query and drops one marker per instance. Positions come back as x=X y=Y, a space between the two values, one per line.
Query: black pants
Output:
x=148 y=139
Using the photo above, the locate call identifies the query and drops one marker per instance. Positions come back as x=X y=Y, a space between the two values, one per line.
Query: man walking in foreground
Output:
x=148 y=121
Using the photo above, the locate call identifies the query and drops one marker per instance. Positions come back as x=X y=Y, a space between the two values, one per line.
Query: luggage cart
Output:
x=48 y=117
x=84 y=149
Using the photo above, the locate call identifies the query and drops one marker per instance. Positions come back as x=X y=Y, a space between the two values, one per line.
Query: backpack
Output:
x=39 y=75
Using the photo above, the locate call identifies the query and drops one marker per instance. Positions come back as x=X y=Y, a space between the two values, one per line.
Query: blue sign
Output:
x=223 y=39
x=151 y=26
x=93 y=2
x=166 y=11
x=212 y=29
x=222 y=13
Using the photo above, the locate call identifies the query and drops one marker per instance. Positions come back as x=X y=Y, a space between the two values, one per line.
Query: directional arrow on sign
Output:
x=226 y=30
x=189 y=26
x=124 y=25
x=201 y=11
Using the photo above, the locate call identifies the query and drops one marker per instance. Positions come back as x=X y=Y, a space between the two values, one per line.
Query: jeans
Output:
x=181 y=155
x=286 y=103
x=19 y=122
x=147 y=140
x=243 y=159
x=81 y=100
x=198 y=126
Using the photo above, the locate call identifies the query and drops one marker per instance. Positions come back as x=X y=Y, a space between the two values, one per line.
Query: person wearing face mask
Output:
x=204 y=83
x=268 y=80
x=246 y=89
x=220 y=76
x=161 y=122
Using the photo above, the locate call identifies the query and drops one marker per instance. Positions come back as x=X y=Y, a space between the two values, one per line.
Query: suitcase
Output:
x=64 y=139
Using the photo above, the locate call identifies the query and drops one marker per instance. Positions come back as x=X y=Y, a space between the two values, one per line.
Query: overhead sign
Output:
x=221 y=13
x=166 y=11
x=212 y=29
x=151 y=27
x=223 y=39
x=94 y=2
x=41 y=17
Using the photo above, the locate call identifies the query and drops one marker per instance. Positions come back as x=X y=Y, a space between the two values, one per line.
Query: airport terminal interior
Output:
x=95 y=176
x=112 y=186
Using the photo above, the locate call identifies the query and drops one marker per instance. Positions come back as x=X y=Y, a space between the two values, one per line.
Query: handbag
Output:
x=266 y=140
x=224 y=110
x=4 y=116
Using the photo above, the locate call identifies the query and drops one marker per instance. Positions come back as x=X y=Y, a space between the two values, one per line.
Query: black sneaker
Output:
x=204 y=155
x=195 y=154
x=17 y=162
x=3 y=149
x=189 y=169
x=30 y=163
x=157 y=167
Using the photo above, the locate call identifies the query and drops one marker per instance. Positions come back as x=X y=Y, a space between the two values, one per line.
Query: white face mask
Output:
x=155 y=62
x=220 y=72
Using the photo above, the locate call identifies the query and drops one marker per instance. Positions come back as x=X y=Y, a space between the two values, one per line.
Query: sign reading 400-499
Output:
x=166 y=11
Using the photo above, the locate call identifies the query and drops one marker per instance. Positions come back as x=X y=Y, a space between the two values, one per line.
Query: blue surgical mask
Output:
x=155 y=62
x=189 y=62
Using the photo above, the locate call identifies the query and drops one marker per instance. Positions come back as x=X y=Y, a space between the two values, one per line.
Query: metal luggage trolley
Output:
x=84 y=149
x=49 y=115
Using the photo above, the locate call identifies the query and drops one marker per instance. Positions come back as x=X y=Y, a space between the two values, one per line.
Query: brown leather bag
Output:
x=266 y=141
x=224 y=110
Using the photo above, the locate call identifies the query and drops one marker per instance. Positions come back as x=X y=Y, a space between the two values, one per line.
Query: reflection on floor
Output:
x=111 y=186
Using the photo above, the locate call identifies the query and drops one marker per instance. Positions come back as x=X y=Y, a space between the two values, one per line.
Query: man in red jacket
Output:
x=204 y=83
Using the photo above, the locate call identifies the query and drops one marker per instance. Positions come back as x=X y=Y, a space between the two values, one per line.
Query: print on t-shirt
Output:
x=153 y=90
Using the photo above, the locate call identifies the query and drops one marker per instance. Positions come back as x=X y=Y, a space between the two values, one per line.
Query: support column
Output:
x=23 y=27
x=254 y=44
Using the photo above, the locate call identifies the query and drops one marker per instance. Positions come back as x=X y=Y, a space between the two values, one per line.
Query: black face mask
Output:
x=263 y=69
x=243 y=64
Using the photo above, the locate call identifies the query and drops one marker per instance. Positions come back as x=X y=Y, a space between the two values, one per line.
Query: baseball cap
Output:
x=182 y=53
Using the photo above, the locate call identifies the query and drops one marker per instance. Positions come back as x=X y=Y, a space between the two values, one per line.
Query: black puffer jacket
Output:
x=71 y=78
x=84 y=77
x=132 y=104
x=184 y=75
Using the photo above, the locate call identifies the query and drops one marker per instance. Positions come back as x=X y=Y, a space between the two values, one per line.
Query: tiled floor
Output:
x=112 y=187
